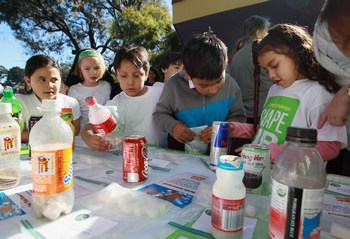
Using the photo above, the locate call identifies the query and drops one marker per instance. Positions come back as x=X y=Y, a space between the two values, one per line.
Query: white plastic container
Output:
x=103 y=121
x=298 y=183
x=51 y=153
x=228 y=199
x=10 y=147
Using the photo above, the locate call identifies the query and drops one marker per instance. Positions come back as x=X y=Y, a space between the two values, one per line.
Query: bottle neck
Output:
x=301 y=144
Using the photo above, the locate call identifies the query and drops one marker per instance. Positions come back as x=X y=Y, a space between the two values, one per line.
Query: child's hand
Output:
x=98 y=142
x=205 y=135
x=182 y=133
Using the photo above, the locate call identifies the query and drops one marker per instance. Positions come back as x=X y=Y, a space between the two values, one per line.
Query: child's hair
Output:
x=252 y=25
x=34 y=63
x=295 y=42
x=88 y=53
x=38 y=61
x=137 y=55
x=205 y=57
x=155 y=70
x=168 y=58
x=74 y=77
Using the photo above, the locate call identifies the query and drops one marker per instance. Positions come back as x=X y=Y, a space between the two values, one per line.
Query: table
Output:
x=94 y=171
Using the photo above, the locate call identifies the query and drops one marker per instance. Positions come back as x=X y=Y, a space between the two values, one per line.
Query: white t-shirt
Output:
x=299 y=105
x=31 y=106
x=135 y=115
x=101 y=92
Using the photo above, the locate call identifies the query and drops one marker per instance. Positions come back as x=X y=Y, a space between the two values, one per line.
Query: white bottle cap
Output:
x=51 y=105
x=5 y=108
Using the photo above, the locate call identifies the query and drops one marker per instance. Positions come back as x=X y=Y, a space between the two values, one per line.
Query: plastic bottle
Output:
x=10 y=147
x=228 y=198
x=67 y=115
x=9 y=97
x=51 y=145
x=298 y=183
x=103 y=121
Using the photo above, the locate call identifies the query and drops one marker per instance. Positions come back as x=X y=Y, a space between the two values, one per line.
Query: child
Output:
x=135 y=104
x=300 y=94
x=43 y=80
x=200 y=94
x=153 y=76
x=170 y=64
x=90 y=69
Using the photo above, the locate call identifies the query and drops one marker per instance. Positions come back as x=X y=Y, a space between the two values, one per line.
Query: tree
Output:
x=52 y=26
x=14 y=76
x=146 y=27
x=3 y=73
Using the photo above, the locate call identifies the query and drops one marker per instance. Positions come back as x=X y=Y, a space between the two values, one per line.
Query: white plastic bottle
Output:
x=51 y=145
x=103 y=121
x=228 y=199
x=298 y=183
x=10 y=147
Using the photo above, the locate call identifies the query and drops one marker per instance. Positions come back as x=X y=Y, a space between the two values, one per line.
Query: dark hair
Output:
x=136 y=55
x=168 y=58
x=34 y=63
x=332 y=9
x=253 y=24
x=295 y=42
x=38 y=61
x=155 y=70
x=205 y=57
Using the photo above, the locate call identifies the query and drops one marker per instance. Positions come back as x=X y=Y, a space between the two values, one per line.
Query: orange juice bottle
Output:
x=67 y=115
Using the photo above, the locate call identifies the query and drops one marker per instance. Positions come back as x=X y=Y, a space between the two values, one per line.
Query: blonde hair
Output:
x=89 y=53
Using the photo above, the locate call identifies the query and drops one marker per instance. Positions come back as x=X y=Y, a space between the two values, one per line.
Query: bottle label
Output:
x=52 y=171
x=227 y=215
x=9 y=142
x=295 y=212
x=105 y=127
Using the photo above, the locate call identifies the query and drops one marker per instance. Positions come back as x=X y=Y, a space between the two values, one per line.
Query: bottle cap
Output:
x=8 y=92
x=51 y=106
x=90 y=101
x=230 y=162
x=5 y=108
x=301 y=135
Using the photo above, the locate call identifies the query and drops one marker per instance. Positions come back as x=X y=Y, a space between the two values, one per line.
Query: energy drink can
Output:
x=219 y=142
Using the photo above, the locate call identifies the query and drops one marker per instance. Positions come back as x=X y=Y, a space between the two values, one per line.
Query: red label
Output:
x=135 y=160
x=105 y=127
x=227 y=215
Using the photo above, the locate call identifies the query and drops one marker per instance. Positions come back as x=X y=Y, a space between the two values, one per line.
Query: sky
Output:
x=13 y=52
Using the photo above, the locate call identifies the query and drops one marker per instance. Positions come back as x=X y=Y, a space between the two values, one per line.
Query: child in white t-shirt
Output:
x=135 y=104
x=43 y=80
x=302 y=90
x=90 y=68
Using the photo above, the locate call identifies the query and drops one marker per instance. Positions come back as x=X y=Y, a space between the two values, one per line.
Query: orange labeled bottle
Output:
x=51 y=145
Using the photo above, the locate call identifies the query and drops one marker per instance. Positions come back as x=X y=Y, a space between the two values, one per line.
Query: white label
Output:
x=295 y=212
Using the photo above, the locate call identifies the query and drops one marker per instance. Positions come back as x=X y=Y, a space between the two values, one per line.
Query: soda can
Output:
x=219 y=142
x=135 y=160
x=256 y=165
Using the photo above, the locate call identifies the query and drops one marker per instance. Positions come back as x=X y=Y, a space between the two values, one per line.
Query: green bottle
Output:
x=9 y=97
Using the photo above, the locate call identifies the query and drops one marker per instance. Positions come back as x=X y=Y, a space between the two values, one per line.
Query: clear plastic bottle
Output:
x=298 y=183
x=9 y=97
x=228 y=198
x=51 y=145
x=10 y=147
x=103 y=121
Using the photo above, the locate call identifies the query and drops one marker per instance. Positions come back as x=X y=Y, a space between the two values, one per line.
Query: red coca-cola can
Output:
x=135 y=160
